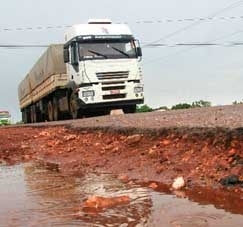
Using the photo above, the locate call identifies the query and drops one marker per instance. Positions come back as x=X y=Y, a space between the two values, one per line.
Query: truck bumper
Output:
x=110 y=105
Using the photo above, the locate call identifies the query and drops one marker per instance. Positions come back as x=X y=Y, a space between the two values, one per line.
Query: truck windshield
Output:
x=107 y=50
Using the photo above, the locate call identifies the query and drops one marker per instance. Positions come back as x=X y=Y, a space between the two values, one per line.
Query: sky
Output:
x=172 y=73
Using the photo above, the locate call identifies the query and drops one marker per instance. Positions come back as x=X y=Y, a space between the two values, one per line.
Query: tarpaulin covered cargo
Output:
x=24 y=88
x=50 y=63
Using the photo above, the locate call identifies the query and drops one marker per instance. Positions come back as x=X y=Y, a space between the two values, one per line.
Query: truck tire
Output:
x=50 y=111
x=73 y=106
x=25 y=116
x=33 y=116
x=56 y=114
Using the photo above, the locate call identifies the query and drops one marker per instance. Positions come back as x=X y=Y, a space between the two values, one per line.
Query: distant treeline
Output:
x=200 y=103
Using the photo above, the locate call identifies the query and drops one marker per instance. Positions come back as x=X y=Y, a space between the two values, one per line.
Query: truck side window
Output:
x=74 y=54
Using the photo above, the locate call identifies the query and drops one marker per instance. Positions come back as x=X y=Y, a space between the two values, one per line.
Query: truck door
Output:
x=75 y=66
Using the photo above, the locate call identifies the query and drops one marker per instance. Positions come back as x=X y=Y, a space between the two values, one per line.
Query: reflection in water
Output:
x=226 y=200
x=168 y=210
x=46 y=198
x=31 y=195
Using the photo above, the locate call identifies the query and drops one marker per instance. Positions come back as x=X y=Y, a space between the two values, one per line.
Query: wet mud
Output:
x=32 y=195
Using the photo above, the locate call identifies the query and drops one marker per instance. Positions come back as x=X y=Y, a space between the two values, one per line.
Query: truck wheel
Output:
x=50 y=111
x=55 y=110
x=73 y=106
x=28 y=115
x=33 y=114
x=25 y=117
x=33 y=117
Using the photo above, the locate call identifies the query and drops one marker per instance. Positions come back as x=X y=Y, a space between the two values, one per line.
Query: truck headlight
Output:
x=138 y=89
x=88 y=93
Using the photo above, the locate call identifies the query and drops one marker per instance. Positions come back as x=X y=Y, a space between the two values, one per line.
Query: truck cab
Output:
x=102 y=63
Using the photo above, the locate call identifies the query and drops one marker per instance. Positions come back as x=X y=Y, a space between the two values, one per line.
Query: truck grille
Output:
x=112 y=75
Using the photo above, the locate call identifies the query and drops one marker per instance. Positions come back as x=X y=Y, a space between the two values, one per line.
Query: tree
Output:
x=236 y=102
x=181 y=106
x=201 y=103
x=144 y=108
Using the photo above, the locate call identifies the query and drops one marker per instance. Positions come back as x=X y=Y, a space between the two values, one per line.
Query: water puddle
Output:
x=31 y=195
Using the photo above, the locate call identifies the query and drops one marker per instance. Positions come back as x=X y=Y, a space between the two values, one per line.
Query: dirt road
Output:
x=203 y=145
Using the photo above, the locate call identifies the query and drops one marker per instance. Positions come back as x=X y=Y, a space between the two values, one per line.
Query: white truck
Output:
x=95 y=71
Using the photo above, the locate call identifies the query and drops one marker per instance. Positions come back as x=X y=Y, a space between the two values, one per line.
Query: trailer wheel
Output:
x=33 y=116
x=25 y=116
x=55 y=110
x=50 y=110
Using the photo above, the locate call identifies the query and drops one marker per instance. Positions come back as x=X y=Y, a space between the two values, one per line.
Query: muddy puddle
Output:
x=32 y=195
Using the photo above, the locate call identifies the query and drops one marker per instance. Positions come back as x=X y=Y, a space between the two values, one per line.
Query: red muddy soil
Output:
x=202 y=155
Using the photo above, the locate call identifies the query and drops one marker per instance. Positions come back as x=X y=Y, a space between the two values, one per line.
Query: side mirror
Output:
x=139 y=52
x=66 y=55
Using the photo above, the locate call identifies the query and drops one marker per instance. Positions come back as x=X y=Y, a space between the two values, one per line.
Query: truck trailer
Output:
x=96 y=70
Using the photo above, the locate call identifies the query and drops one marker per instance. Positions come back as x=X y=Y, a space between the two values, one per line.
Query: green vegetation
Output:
x=5 y=118
x=237 y=102
x=200 y=103
x=143 y=108
x=181 y=106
